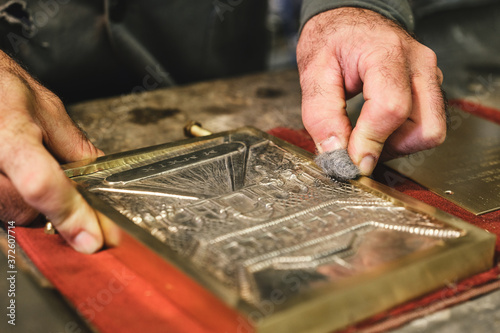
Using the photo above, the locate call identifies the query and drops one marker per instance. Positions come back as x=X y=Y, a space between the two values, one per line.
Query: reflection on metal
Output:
x=193 y=129
x=146 y=191
x=175 y=163
x=49 y=228
x=259 y=224
x=465 y=169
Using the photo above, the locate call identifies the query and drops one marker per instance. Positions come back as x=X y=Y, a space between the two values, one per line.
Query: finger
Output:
x=324 y=105
x=388 y=103
x=111 y=232
x=60 y=134
x=426 y=126
x=440 y=76
x=425 y=129
x=68 y=143
x=49 y=191
x=12 y=205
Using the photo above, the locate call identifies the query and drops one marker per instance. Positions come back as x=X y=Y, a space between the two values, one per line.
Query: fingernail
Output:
x=330 y=144
x=86 y=243
x=367 y=165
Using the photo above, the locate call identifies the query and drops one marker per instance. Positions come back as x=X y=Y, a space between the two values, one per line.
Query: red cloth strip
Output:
x=476 y=109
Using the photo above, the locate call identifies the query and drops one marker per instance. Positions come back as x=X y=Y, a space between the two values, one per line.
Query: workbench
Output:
x=266 y=100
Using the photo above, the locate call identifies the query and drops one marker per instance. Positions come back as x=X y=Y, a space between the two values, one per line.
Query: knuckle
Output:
x=435 y=136
x=53 y=104
x=397 y=110
x=57 y=104
x=36 y=188
x=81 y=148
x=387 y=53
x=393 y=44
x=439 y=75
x=429 y=56
x=397 y=42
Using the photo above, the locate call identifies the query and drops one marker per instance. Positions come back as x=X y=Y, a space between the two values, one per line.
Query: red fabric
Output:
x=117 y=297
x=476 y=109
x=300 y=138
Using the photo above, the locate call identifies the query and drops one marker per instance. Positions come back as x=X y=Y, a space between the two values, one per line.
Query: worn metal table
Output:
x=132 y=121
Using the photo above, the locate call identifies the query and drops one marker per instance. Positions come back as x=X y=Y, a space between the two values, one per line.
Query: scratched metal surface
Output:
x=249 y=212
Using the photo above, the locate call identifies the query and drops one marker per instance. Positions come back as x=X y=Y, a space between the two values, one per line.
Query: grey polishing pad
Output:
x=337 y=164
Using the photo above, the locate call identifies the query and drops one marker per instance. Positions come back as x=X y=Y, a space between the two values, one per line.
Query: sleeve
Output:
x=398 y=10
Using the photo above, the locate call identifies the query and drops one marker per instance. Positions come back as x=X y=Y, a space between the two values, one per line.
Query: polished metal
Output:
x=177 y=163
x=194 y=129
x=49 y=228
x=254 y=220
x=465 y=169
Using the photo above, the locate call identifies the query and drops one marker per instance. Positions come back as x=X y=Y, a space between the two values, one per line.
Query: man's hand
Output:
x=346 y=51
x=35 y=130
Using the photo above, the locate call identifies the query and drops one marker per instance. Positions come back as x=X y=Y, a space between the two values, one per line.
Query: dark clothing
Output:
x=84 y=49
x=87 y=48
x=398 y=10
x=402 y=11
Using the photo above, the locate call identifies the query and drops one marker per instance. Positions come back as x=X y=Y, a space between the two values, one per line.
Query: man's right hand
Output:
x=35 y=134
x=346 y=51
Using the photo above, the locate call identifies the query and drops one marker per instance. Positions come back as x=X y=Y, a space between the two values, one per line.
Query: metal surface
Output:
x=49 y=229
x=257 y=223
x=193 y=129
x=475 y=315
x=177 y=163
x=264 y=100
x=465 y=169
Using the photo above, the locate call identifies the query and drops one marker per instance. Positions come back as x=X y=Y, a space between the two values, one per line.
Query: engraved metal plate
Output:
x=465 y=169
x=254 y=220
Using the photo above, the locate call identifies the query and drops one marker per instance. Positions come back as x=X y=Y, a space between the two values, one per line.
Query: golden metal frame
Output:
x=331 y=306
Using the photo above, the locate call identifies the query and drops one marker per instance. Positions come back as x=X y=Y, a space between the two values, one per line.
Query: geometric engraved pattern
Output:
x=256 y=213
